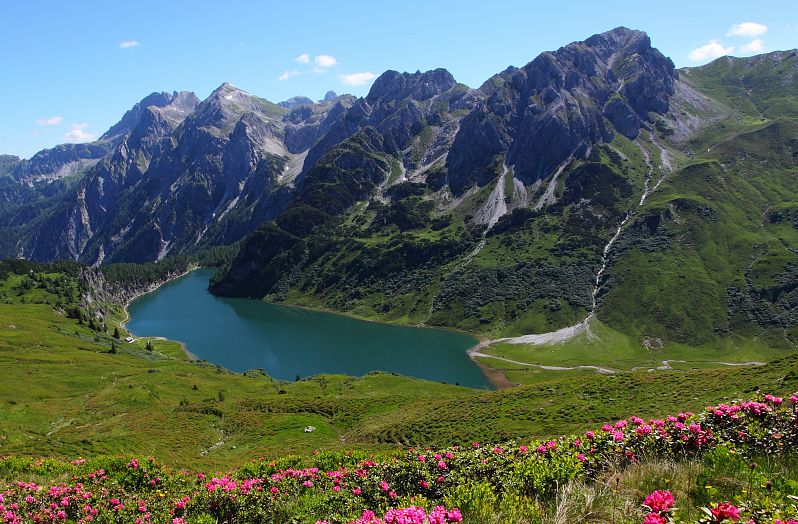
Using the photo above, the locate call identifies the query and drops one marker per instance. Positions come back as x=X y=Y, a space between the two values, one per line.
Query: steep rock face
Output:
x=551 y=109
x=171 y=106
x=141 y=135
x=174 y=174
x=59 y=162
x=71 y=159
x=399 y=106
x=199 y=176
x=304 y=125
x=345 y=175
x=7 y=163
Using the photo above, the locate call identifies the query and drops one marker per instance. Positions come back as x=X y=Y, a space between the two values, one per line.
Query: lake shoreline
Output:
x=435 y=353
x=191 y=357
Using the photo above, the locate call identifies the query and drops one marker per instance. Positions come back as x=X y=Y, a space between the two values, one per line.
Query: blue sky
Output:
x=71 y=69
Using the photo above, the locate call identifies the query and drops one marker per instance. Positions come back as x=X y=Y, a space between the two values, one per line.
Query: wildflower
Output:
x=660 y=500
x=725 y=510
x=654 y=518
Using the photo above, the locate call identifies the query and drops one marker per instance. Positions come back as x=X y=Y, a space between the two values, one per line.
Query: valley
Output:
x=317 y=297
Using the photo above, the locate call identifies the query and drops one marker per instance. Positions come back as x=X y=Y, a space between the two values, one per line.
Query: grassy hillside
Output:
x=734 y=460
x=719 y=227
x=69 y=389
x=705 y=271
x=72 y=390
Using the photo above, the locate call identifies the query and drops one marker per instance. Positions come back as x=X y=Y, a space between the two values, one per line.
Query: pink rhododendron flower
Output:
x=661 y=500
x=725 y=510
x=654 y=518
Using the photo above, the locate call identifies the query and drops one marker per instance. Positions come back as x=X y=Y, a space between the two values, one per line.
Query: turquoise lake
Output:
x=242 y=334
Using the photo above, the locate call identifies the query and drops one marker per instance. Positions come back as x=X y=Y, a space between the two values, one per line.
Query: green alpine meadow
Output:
x=561 y=291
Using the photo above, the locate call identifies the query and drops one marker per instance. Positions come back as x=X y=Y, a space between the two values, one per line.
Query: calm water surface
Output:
x=242 y=334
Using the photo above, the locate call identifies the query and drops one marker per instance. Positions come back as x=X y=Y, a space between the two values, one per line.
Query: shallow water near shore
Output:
x=242 y=334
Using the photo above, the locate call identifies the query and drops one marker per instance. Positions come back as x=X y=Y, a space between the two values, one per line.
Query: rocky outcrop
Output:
x=345 y=175
x=296 y=101
x=536 y=116
x=7 y=163
x=399 y=106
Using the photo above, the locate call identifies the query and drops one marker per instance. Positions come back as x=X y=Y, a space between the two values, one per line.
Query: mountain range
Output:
x=595 y=181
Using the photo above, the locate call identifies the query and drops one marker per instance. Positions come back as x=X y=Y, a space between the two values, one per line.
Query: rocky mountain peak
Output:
x=329 y=95
x=620 y=38
x=393 y=85
x=176 y=106
x=296 y=101
x=225 y=105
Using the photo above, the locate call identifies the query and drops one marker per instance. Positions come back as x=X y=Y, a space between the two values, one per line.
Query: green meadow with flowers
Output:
x=93 y=429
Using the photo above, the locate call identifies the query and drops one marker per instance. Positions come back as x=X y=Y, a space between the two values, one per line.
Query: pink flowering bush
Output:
x=424 y=486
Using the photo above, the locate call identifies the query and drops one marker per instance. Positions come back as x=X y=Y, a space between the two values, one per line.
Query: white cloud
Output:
x=52 y=121
x=324 y=61
x=754 y=46
x=287 y=74
x=711 y=50
x=304 y=58
x=748 y=29
x=128 y=43
x=77 y=133
x=357 y=79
